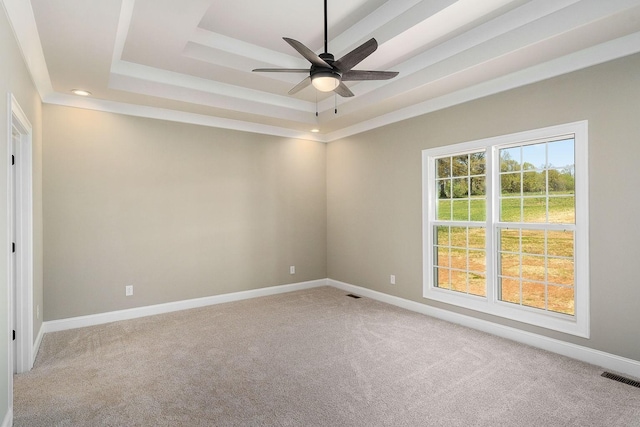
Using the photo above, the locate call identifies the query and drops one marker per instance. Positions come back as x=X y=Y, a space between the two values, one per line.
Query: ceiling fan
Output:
x=326 y=74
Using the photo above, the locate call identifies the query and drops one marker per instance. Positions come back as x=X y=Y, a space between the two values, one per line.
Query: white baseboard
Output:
x=8 y=419
x=134 y=313
x=36 y=345
x=595 y=357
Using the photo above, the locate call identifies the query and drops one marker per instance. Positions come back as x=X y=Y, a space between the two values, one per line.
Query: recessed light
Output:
x=80 y=92
x=315 y=130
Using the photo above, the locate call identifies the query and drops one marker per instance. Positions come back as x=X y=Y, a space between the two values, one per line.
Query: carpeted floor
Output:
x=308 y=358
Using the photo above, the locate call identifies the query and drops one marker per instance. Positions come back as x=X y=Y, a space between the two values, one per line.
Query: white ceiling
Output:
x=191 y=60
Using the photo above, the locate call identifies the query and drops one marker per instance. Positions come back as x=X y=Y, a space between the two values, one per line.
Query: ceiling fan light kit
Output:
x=325 y=83
x=327 y=75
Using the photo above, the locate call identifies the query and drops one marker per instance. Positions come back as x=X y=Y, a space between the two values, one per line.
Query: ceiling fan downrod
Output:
x=326 y=43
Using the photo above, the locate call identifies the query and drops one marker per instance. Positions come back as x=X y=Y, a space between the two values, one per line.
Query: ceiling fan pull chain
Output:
x=316 y=103
x=335 y=103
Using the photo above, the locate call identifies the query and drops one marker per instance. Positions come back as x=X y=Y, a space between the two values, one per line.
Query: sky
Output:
x=557 y=153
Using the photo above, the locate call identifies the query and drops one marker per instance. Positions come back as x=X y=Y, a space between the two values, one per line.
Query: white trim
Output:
x=608 y=51
x=134 y=313
x=8 y=419
x=595 y=55
x=23 y=23
x=24 y=235
x=585 y=354
x=36 y=345
x=178 y=116
x=9 y=259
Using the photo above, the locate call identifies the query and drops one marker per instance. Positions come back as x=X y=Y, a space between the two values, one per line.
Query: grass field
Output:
x=536 y=267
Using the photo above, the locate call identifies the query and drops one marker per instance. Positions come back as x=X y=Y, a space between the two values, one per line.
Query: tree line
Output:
x=465 y=176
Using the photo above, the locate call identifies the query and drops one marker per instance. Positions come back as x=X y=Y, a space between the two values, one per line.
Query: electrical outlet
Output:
x=128 y=290
x=38 y=311
x=392 y=279
x=292 y=269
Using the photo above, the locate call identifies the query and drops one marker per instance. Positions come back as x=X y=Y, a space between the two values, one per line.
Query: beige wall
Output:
x=14 y=78
x=374 y=192
x=178 y=211
x=182 y=211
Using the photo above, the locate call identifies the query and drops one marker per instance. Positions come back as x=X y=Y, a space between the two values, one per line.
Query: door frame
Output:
x=24 y=238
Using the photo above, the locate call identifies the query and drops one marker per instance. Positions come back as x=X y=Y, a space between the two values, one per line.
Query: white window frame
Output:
x=577 y=324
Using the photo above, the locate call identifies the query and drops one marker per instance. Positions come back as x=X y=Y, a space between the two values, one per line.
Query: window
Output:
x=505 y=226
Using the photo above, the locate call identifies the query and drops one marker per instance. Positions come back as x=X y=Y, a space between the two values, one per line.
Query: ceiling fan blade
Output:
x=281 y=70
x=354 y=57
x=297 y=88
x=307 y=53
x=343 y=90
x=354 y=75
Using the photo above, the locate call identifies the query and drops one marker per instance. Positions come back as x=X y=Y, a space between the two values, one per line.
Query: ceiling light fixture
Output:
x=315 y=130
x=80 y=92
x=325 y=80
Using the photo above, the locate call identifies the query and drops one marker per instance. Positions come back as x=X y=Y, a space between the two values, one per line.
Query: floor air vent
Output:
x=353 y=296
x=621 y=379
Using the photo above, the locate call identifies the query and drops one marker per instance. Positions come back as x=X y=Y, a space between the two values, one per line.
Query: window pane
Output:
x=560 y=243
x=461 y=210
x=534 y=209
x=459 y=237
x=478 y=209
x=460 y=165
x=561 y=153
x=477 y=261
x=478 y=186
x=460 y=188
x=561 y=181
x=442 y=278
x=533 y=295
x=560 y=271
x=477 y=239
x=510 y=240
x=561 y=299
x=459 y=281
x=509 y=290
x=441 y=256
x=534 y=183
x=510 y=210
x=444 y=210
x=510 y=184
x=442 y=236
x=533 y=242
x=477 y=284
x=534 y=156
x=533 y=268
x=562 y=210
x=477 y=163
x=509 y=265
x=459 y=259
x=443 y=167
x=443 y=187
x=510 y=159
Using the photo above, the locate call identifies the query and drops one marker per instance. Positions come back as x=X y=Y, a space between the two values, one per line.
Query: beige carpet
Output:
x=308 y=358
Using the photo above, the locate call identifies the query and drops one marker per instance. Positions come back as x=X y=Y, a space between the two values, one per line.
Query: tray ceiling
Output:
x=191 y=60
